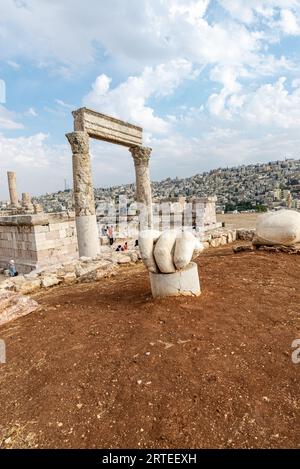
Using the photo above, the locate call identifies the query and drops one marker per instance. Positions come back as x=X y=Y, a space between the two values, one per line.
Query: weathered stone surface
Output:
x=69 y=267
x=121 y=258
x=50 y=280
x=99 y=273
x=35 y=241
x=279 y=248
x=107 y=128
x=278 y=228
x=14 y=305
x=82 y=174
x=180 y=283
x=18 y=280
x=86 y=223
x=12 y=186
x=32 y=275
x=7 y=285
x=134 y=256
x=215 y=242
x=69 y=277
x=81 y=270
x=28 y=286
x=245 y=235
x=86 y=259
x=231 y=236
x=141 y=156
x=243 y=248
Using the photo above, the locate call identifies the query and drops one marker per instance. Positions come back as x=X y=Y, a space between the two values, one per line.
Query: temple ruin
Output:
x=91 y=124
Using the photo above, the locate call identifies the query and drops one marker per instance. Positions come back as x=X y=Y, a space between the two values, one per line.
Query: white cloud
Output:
x=31 y=112
x=128 y=100
x=40 y=166
x=273 y=105
x=7 y=120
x=13 y=64
x=251 y=11
x=268 y=105
x=67 y=35
x=289 y=23
x=62 y=103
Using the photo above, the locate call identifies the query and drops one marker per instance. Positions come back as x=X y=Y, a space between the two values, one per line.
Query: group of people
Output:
x=109 y=232
x=122 y=248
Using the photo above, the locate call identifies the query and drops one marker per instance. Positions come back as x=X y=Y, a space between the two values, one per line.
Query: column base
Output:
x=87 y=236
x=181 y=283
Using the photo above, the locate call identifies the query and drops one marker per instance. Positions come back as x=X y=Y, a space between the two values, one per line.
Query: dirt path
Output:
x=238 y=220
x=104 y=365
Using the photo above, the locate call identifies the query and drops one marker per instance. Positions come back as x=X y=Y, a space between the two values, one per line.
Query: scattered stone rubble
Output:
x=104 y=264
x=82 y=269
x=286 y=249
x=14 y=305
x=222 y=236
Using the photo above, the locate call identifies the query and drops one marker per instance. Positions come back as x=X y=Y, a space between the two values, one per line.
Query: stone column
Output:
x=86 y=223
x=141 y=156
x=26 y=200
x=12 y=186
x=37 y=208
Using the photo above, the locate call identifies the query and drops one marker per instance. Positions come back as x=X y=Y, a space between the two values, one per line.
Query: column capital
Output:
x=140 y=155
x=79 y=141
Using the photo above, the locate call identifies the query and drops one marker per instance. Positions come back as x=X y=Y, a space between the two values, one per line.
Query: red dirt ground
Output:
x=104 y=365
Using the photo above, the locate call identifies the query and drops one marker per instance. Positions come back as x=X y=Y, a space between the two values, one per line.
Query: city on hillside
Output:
x=256 y=186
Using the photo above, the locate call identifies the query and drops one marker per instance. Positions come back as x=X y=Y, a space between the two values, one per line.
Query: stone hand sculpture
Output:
x=169 y=251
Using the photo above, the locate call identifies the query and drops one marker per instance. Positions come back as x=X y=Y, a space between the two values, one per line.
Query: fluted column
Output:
x=86 y=223
x=141 y=156
x=12 y=187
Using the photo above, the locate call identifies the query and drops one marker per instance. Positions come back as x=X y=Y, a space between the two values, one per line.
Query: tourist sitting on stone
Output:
x=12 y=269
x=119 y=248
x=125 y=247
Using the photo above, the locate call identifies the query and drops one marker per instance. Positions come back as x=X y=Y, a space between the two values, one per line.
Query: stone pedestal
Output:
x=86 y=223
x=141 y=156
x=12 y=186
x=181 y=283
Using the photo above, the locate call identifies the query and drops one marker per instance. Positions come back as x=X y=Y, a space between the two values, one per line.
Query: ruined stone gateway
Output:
x=92 y=124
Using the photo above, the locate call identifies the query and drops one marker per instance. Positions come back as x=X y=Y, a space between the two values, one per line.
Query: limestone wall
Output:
x=36 y=241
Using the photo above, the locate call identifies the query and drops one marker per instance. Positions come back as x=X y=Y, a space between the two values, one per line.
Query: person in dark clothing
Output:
x=110 y=235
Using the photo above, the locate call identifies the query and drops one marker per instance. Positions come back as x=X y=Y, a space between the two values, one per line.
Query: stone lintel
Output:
x=107 y=128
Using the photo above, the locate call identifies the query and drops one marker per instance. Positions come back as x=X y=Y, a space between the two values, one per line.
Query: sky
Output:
x=213 y=83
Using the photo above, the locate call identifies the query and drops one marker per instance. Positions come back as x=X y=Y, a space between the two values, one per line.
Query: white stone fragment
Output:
x=282 y=227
